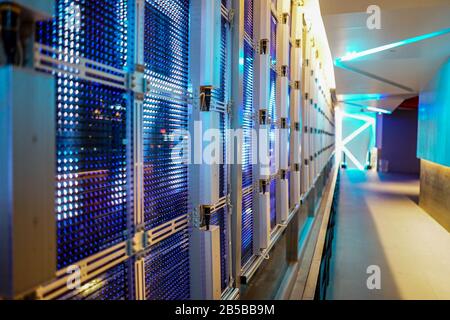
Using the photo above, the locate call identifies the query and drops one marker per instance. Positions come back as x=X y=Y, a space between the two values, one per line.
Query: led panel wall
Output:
x=166 y=68
x=91 y=194
x=167 y=268
x=111 y=285
x=94 y=180
x=166 y=50
x=248 y=126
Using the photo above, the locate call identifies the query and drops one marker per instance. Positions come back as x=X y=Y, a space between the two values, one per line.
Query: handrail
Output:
x=314 y=271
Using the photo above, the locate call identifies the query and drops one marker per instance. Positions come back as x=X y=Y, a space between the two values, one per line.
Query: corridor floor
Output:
x=379 y=223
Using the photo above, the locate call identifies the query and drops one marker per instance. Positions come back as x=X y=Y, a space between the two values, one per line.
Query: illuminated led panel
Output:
x=225 y=3
x=166 y=54
x=166 y=61
x=105 y=32
x=247 y=228
x=273 y=116
x=91 y=177
x=112 y=285
x=165 y=181
x=273 y=204
x=220 y=218
x=167 y=268
x=93 y=29
x=91 y=163
x=247 y=126
x=273 y=93
x=248 y=17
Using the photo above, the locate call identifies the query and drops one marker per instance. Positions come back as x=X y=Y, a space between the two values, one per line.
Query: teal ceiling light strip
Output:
x=340 y=62
x=355 y=97
x=368 y=108
x=362 y=97
x=356 y=55
x=379 y=110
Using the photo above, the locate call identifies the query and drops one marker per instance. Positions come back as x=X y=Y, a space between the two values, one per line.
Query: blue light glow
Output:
x=343 y=143
x=355 y=55
x=247 y=146
x=379 y=110
x=362 y=97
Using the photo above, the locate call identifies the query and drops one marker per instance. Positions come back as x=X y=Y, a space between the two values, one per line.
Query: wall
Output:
x=435 y=192
x=399 y=142
x=434 y=146
x=434 y=119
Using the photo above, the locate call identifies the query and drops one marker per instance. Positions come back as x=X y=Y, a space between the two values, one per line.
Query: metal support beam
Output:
x=295 y=105
x=261 y=207
x=237 y=79
x=306 y=109
x=138 y=87
x=283 y=52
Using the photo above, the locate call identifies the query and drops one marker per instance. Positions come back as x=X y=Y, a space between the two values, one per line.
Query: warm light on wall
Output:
x=314 y=19
x=435 y=191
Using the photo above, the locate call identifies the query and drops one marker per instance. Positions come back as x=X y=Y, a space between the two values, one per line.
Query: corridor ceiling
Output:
x=384 y=79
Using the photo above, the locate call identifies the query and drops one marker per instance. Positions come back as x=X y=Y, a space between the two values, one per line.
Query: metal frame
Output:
x=135 y=83
x=261 y=177
x=283 y=67
x=222 y=108
x=90 y=268
x=237 y=75
x=296 y=104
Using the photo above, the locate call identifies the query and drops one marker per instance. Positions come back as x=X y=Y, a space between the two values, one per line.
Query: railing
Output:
x=318 y=277
x=286 y=250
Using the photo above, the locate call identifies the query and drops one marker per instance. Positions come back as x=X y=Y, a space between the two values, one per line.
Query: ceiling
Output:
x=385 y=79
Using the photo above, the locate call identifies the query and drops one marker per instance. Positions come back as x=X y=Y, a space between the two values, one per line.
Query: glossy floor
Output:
x=380 y=223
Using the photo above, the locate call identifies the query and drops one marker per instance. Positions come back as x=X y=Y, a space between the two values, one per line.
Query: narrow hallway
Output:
x=379 y=223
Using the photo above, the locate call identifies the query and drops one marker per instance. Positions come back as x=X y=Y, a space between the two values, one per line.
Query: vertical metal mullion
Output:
x=138 y=145
x=283 y=53
x=316 y=114
x=261 y=90
x=306 y=109
x=138 y=165
x=229 y=100
x=139 y=276
x=297 y=105
x=312 y=124
x=295 y=114
x=294 y=105
x=237 y=94
x=138 y=113
x=204 y=60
